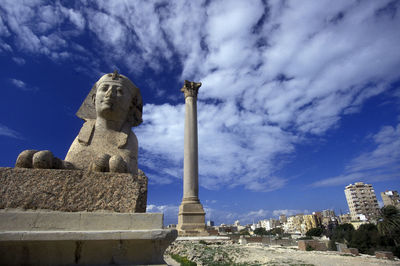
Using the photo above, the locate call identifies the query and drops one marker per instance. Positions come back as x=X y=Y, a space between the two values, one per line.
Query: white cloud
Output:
x=224 y=216
x=36 y=27
x=170 y=212
x=4 y=47
x=228 y=217
x=288 y=212
x=272 y=73
x=22 y=85
x=319 y=63
x=20 y=61
x=381 y=163
x=8 y=132
x=18 y=83
x=3 y=29
x=75 y=17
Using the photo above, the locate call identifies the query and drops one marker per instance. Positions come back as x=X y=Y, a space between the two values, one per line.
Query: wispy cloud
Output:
x=290 y=78
x=18 y=83
x=224 y=216
x=170 y=212
x=229 y=217
x=22 y=85
x=288 y=212
x=381 y=163
x=20 y=61
x=219 y=215
x=273 y=73
x=8 y=132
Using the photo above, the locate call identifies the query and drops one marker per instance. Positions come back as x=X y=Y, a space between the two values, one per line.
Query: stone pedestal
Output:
x=72 y=190
x=82 y=238
x=191 y=217
x=76 y=217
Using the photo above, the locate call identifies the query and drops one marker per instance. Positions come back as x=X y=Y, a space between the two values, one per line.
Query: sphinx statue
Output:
x=105 y=142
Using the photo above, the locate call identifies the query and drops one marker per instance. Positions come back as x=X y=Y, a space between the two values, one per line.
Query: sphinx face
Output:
x=113 y=101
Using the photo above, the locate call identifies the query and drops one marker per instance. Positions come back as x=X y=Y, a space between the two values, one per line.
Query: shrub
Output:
x=244 y=232
x=183 y=260
x=260 y=231
x=315 y=232
x=332 y=245
x=309 y=248
x=366 y=238
x=343 y=233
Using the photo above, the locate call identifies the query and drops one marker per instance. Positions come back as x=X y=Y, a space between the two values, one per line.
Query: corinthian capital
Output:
x=190 y=88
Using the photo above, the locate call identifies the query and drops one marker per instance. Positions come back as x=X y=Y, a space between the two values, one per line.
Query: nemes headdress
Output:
x=87 y=110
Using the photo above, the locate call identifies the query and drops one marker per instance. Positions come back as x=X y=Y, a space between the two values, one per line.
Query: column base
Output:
x=191 y=218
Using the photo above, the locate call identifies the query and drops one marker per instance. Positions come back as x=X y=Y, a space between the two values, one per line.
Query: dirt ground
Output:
x=228 y=253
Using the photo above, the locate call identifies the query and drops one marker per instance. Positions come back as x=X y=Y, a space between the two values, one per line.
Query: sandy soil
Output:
x=258 y=254
x=291 y=255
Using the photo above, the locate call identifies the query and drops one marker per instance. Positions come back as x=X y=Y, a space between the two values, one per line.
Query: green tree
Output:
x=260 y=231
x=389 y=223
x=276 y=231
x=244 y=232
x=315 y=232
x=342 y=234
x=366 y=239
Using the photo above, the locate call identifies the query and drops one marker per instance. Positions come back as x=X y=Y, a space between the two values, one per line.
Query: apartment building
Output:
x=328 y=213
x=269 y=224
x=391 y=197
x=362 y=201
x=310 y=221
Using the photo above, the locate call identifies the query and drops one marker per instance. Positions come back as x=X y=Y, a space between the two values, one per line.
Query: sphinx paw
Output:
x=101 y=163
x=117 y=164
x=43 y=160
x=24 y=159
x=39 y=160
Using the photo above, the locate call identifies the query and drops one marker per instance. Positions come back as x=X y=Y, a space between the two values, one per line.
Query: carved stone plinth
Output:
x=72 y=190
x=191 y=219
x=82 y=238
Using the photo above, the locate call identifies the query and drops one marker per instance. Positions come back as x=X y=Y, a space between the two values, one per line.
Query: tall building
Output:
x=282 y=218
x=391 y=197
x=328 y=213
x=310 y=221
x=269 y=224
x=362 y=201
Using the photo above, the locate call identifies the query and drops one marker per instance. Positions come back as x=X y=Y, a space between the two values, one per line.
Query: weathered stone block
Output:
x=83 y=238
x=17 y=220
x=141 y=247
x=353 y=251
x=314 y=244
x=191 y=219
x=72 y=190
x=384 y=255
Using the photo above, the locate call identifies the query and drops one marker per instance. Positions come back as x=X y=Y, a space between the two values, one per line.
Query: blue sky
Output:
x=299 y=98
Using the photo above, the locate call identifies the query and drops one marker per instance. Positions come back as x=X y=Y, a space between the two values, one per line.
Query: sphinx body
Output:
x=104 y=150
x=105 y=142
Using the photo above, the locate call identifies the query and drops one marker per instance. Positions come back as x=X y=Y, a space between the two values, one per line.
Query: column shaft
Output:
x=190 y=161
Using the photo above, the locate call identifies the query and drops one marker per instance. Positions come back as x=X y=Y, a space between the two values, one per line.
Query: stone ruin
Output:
x=90 y=207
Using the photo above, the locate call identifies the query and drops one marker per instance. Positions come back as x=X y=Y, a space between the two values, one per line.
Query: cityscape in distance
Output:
x=361 y=199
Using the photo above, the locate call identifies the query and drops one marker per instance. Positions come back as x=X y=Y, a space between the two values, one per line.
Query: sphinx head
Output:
x=113 y=97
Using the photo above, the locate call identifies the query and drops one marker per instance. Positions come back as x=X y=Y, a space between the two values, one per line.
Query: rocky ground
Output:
x=229 y=253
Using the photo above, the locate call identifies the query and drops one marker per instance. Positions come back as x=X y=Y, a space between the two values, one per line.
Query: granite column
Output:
x=191 y=218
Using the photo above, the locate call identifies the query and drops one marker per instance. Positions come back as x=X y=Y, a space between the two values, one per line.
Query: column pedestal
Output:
x=191 y=219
